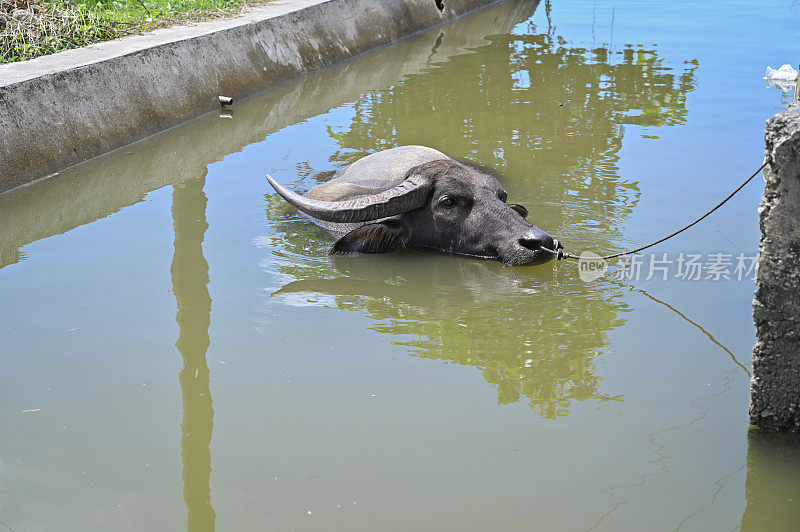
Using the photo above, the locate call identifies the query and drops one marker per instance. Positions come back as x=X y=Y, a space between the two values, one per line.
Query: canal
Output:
x=180 y=351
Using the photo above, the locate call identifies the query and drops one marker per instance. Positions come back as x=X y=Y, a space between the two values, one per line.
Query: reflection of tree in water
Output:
x=550 y=118
x=548 y=115
x=190 y=286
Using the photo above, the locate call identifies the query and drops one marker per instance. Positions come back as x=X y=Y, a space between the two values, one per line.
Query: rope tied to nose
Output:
x=561 y=254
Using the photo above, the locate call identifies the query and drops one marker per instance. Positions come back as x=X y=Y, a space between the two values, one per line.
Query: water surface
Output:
x=179 y=351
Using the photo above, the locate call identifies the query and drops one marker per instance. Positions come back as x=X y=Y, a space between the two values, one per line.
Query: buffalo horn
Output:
x=408 y=195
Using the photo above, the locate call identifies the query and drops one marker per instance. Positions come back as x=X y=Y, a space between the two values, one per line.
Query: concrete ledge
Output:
x=775 y=387
x=66 y=108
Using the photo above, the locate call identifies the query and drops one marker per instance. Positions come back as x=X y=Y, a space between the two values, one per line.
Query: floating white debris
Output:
x=785 y=78
x=784 y=73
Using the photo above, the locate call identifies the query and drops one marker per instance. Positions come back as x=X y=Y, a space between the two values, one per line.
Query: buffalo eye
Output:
x=502 y=196
x=447 y=202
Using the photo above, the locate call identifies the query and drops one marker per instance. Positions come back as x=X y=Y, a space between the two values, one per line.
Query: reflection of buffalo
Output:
x=418 y=197
x=529 y=336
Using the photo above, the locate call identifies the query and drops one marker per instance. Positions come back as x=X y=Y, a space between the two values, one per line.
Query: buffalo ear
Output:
x=522 y=211
x=381 y=237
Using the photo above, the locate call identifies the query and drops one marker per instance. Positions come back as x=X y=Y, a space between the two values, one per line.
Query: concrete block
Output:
x=775 y=386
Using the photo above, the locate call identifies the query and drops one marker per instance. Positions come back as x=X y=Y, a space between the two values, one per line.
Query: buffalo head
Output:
x=418 y=197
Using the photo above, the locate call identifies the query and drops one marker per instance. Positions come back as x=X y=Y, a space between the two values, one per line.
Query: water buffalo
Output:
x=420 y=198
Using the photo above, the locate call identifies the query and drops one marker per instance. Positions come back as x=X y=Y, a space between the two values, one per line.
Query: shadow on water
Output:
x=190 y=286
x=772 y=487
x=694 y=324
x=547 y=117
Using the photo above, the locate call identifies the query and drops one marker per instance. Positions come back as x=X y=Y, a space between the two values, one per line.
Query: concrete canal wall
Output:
x=66 y=108
x=775 y=387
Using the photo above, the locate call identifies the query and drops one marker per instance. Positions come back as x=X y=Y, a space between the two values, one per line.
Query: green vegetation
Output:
x=31 y=28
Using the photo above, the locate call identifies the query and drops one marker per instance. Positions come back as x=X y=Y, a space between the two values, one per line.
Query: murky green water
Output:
x=200 y=362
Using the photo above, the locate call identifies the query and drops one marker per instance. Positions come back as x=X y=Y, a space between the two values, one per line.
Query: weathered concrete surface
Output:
x=775 y=387
x=69 y=107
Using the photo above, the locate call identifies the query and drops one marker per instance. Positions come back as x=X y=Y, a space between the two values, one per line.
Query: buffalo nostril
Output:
x=536 y=240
